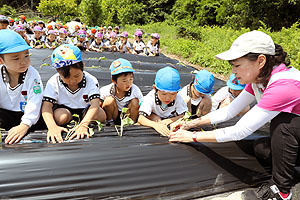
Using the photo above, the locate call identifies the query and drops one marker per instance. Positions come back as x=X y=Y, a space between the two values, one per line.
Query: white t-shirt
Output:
x=119 y=43
x=220 y=96
x=84 y=43
x=152 y=48
x=110 y=90
x=39 y=41
x=151 y=104
x=95 y=45
x=186 y=92
x=26 y=96
x=57 y=92
x=138 y=46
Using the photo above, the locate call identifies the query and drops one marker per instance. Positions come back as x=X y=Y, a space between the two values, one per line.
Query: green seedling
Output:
x=44 y=65
x=77 y=125
x=1 y=129
x=125 y=121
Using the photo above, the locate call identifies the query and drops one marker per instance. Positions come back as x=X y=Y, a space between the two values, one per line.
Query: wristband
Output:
x=194 y=136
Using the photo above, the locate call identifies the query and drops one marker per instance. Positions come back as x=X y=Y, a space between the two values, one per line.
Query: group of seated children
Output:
x=74 y=91
x=93 y=39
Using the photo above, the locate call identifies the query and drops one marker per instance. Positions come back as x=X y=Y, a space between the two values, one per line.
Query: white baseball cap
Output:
x=250 y=42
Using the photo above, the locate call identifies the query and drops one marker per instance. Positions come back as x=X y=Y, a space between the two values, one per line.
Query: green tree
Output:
x=64 y=10
x=7 y=10
x=91 y=12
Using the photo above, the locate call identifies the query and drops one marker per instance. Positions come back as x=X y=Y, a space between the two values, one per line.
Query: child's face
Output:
x=112 y=39
x=166 y=97
x=98 y=40
x=195 y=93
x=16 y=62
x=124 y=82
x=3 y=26
x=41 y=25
x=136 y=38
x=75 y=77
x=37 y=34
x=51 y=37
x=235 y=93
x=122 y=39
x=81 y=39
x=153 y=40
x=62 y=35
x=76 y=28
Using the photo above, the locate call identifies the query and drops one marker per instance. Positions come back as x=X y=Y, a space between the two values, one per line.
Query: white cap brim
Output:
x=231 y=55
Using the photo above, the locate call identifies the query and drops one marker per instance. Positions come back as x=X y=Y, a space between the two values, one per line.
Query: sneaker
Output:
x=266 y=191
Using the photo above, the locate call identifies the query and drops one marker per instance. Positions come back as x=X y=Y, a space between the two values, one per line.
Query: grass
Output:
x=214 y=40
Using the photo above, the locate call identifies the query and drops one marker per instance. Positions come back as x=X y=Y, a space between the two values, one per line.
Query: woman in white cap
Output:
x=277 y=90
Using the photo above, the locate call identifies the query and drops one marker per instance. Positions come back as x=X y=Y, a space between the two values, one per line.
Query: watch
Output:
x=194 y=136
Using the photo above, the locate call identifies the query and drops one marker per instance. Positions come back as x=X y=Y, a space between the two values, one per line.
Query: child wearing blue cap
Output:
x=70 y=91
x=162 y=105
x=227 y=94
x=197 y=94
x=121 y=92
x=20 y=87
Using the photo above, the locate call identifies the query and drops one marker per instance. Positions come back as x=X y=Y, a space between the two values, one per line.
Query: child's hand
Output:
x=80 y=132
x=162 y=129
x=165 y=121
x=15 y=134
x=54 y=134
x=179 y=124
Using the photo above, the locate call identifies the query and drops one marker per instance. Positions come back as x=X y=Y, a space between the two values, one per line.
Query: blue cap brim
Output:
x=17 y=49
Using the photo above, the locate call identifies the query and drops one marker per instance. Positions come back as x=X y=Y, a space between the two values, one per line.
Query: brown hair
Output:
x=271 y=61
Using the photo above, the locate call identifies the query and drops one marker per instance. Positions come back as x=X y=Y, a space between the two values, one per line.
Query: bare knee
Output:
x=62 y=116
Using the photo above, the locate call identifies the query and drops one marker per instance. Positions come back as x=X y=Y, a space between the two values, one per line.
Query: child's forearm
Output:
x=145 y=121
x=47 y=115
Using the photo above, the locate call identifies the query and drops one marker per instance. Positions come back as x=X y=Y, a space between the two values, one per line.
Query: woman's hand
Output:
x=181 y=136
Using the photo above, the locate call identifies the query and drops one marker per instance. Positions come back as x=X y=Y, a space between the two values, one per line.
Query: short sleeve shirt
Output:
x=152 y=48
x=110 y=90
x=119 y=43
x=186 y=92
x=139 y=46
x=57 y=92
x=152 y=104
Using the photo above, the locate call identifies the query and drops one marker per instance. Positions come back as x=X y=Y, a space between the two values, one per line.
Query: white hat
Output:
x=250 y=42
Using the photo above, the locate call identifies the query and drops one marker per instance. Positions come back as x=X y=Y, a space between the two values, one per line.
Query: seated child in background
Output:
x=62 y=37
x=121 y=92
x=116 y=30
x=11 y=24
x=70 y=91
x=21 y=87
x=51 y=40
x=111 y=44
x=20 y=29
x=138 y=45
x=81 y=41
x=123 y=45
x=91 y=35
x=97 y=44
x=3 y=22
x=162 y=105
x=227 y=94
x=197 y=94
x=153 y=45
x=37 y=41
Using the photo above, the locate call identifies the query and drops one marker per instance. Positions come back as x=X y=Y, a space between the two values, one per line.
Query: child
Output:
x=11 y=24
x=21 y=87
x=121 y=92
x=81 y=41
x=138 y=45
x=163 y=105
x=51 y=42
x=22 y=21
x=70 y=91
x=123 y=46
x=110 y=45
x=116 y=30
x=3 y=22
x=109 y=31
x=153 y=45
x=62 y=37
x=20 y=29
x=37 y=40
x=227 y=94
x=197 y=94
x=97 y=44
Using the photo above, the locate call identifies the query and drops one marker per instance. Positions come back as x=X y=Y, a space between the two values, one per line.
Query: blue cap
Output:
x=119 y=66
x=65 y=55
x=204 y=82
x=12 y=42
x=233 y=83
x=167 y=79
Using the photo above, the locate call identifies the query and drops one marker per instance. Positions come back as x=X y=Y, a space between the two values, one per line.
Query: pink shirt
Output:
x=282 y=95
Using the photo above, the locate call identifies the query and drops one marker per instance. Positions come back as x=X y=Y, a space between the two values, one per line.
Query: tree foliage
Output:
x=91 y=11
x=63 y=10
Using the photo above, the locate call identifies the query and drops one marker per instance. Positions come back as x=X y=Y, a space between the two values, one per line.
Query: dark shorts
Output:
x=80 y=111
x=9 y=119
